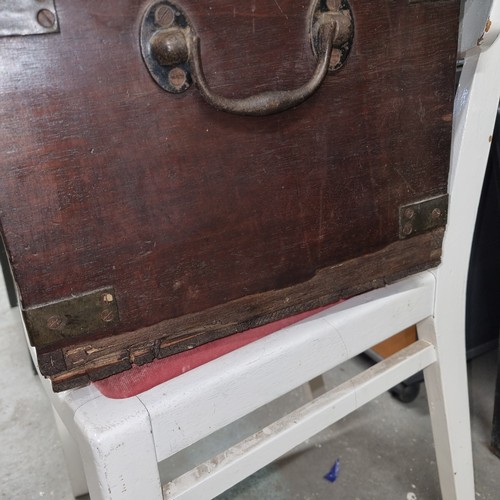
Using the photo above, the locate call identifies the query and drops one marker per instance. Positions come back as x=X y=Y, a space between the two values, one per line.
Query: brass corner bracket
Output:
x=423 y=216
x=70 y=318
x=28 y=17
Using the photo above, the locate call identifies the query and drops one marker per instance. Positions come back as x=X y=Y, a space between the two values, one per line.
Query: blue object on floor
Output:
x=334 y=472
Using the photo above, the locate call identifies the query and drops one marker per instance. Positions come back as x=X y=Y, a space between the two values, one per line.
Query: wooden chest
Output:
x=172 y=173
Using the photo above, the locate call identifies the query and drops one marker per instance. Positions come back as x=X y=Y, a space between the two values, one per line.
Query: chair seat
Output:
x=141 y=378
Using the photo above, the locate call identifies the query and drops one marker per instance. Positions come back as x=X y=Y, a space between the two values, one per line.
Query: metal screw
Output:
x=55 y=322
x=107 y=298
x=177 y=77
x=436 y=213
x=107 y=315
x=164 y=16
x=407 y=229
x=409 y=213
x=46 y=18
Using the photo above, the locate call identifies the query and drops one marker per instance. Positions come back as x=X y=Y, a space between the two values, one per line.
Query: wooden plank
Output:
x=394 y=344
x=101 y=358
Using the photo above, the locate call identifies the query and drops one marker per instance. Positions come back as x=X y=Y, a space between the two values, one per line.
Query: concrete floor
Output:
x=385 y=448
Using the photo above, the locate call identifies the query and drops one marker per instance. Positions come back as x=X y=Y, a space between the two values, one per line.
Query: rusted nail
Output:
x=409 y=213
x=164 y=16
x=436 y=213
x=46 y=18
x=407 y=229
x=107 y=315
x=107 y=298
x=55 y=322
x=177 y=77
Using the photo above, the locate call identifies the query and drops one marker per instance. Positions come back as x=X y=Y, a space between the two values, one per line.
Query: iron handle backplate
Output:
x=171 y=50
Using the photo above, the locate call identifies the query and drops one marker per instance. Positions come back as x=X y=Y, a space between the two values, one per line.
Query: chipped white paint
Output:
x=475 y=17
x=491 y=28
x=121 y=441
x=446 y=381
x=223 y=471
x=239 y=381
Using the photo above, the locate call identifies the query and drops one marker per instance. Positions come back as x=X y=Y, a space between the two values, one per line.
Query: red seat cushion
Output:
x=141 y=378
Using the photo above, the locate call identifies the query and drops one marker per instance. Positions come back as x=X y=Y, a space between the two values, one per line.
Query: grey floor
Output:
x=385 y=448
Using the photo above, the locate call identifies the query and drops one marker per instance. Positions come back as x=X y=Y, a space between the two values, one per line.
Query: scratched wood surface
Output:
x=205 y=223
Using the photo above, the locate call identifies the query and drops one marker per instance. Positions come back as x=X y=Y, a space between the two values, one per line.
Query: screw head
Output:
x=407 y=229
x=409 y=213
x=107 y=315
x=164 y=16
x=55 y=322
x=46 y=18
x=177 y=78
x=436 y=213
x=107 y=298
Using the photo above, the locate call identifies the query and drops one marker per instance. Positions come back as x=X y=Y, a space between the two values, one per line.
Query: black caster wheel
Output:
x=406 y=393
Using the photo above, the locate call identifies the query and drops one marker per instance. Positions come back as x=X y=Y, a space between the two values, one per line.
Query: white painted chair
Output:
x=122 y=441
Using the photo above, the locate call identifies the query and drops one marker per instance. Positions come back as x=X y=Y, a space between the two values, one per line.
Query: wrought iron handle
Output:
x=266 y=103
x=173 y=57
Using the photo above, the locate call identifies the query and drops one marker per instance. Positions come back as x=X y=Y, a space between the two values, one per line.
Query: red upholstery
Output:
x=141 y=378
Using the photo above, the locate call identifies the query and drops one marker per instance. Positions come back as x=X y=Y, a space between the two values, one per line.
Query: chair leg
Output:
x=446 y=384
x=446 y=380
x=74 y=462
x=118 y=451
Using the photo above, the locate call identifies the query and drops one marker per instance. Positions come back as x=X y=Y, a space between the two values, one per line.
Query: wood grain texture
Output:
x=396 y=343
x=99 y=359
x=109 y=181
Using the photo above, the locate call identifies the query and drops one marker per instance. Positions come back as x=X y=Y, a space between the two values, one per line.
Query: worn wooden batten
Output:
x=175 y=172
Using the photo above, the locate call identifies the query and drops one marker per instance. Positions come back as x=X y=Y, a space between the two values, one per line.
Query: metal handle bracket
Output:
x=172 y=53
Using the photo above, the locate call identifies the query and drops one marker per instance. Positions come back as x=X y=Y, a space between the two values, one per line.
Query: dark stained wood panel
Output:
x=198 y=218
